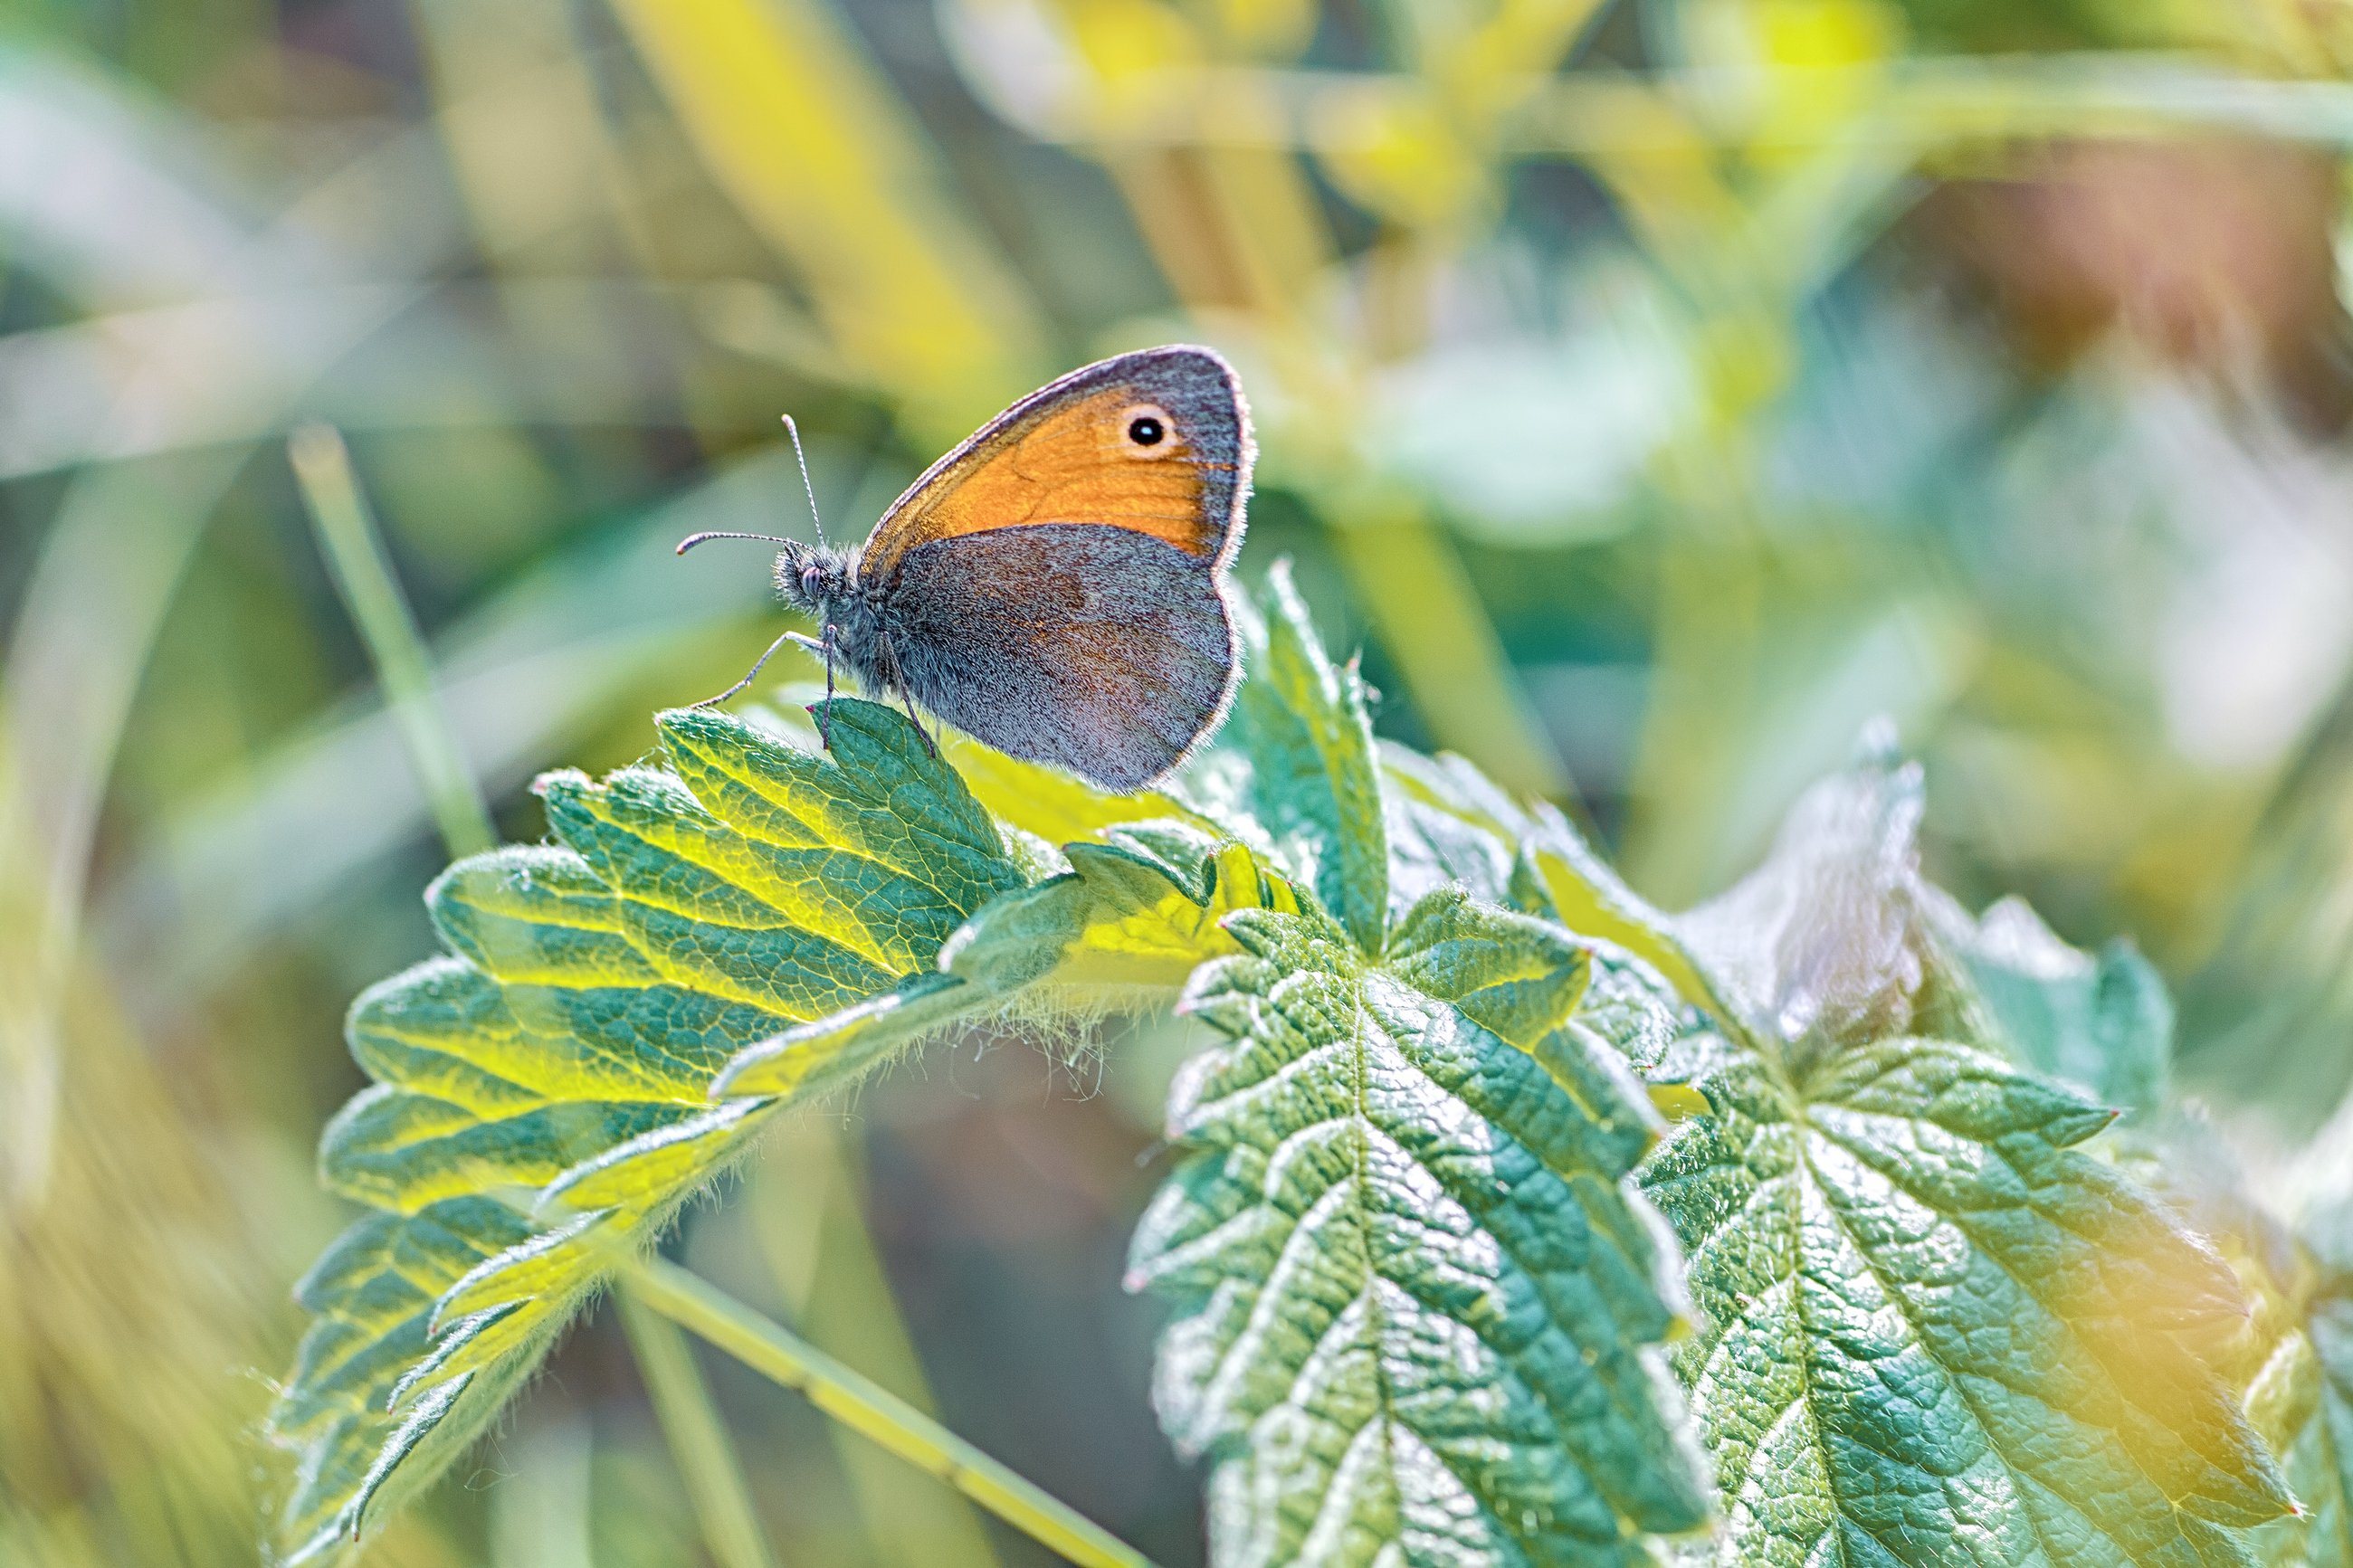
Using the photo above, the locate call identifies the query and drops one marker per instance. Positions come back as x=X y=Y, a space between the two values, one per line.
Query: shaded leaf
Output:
x=1411 y=1296
x=541 y=1100
x=2105 y=1023
x=1294 y=769
x=1449 y=823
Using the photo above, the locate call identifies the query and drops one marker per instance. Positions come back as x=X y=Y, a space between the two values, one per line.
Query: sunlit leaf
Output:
x=1049 y=805
x=1411 y=1296
x=1126 y=924
x=541 y=1092
x=1934 y=1330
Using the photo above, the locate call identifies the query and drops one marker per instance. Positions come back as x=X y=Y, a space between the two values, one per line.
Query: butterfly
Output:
x=1056 y=586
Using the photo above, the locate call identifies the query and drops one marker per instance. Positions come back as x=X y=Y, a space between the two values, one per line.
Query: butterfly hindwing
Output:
x=1097 y=650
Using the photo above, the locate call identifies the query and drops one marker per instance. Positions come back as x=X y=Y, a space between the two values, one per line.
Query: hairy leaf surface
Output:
x=1411 y=1295
x=1129 y=920
x=541 y=1092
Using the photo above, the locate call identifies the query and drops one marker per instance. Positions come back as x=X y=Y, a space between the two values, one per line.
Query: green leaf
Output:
x=1449 y=824
x=2105 y=1023
x=1411 y=1295
x=1126 y=925
x=542 y=1102
x=1936 y=1331
x=1294 y=768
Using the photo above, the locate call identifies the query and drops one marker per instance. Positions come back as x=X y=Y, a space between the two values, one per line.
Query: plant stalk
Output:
x=880 y=1416
x=698 y=1441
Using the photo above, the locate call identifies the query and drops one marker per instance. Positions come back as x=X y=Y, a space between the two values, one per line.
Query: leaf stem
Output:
x=698 y=1439
x=882 y=1416
x=356 y=558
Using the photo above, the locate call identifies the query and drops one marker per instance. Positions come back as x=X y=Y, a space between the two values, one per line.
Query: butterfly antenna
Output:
x=802 y=457
x=692 y=540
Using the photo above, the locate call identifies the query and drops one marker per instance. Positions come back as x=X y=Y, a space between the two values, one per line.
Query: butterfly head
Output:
x=815 y=577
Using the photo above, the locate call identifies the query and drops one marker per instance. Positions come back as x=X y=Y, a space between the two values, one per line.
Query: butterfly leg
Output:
x=907 y=701
x=751 y=675
x=825 y=714
x=893 y=674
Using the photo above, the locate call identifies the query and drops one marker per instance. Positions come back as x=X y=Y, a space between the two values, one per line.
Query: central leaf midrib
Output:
x=1362 y=1127
x=1360 y=1213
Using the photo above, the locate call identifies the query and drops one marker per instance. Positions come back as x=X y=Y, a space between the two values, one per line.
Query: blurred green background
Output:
x=1654 y=389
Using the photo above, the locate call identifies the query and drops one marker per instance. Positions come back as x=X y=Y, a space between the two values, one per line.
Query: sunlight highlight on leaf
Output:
x=540 y=1102
x=1126 y=924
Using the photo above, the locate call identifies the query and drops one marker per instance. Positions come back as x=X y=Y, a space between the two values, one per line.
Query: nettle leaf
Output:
x=1126 y=925
x=1934 y=1330
x=1450 y=826
x=542 y=1100
x=2104 y=1022
x=1412 y=1294
x=1295 y=770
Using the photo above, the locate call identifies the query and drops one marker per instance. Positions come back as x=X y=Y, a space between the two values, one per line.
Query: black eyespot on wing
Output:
x=1146 y=431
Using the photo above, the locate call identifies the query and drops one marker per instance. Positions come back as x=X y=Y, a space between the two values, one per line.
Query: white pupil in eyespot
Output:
x=1146 y=430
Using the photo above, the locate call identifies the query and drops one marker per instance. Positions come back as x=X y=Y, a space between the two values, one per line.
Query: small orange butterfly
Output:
x=1055 y=586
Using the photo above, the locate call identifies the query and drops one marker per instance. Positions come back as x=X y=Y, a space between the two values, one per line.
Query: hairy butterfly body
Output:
x=1055 y=586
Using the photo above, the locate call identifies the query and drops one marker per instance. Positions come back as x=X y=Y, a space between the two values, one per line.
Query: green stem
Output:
x=880 y=1416
x=698 y=1441
x=355 y=557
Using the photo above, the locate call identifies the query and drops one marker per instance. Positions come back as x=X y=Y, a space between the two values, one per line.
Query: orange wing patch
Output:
x=1076 y=464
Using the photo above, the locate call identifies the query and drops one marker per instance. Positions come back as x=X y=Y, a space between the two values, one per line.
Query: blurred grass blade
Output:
x=354 y=551
x=821 y=158
x=106 y=575
x=880 y=1414
x=705 y=1455
x=1410 y=577
x=527 y=669
x=808 y=1202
